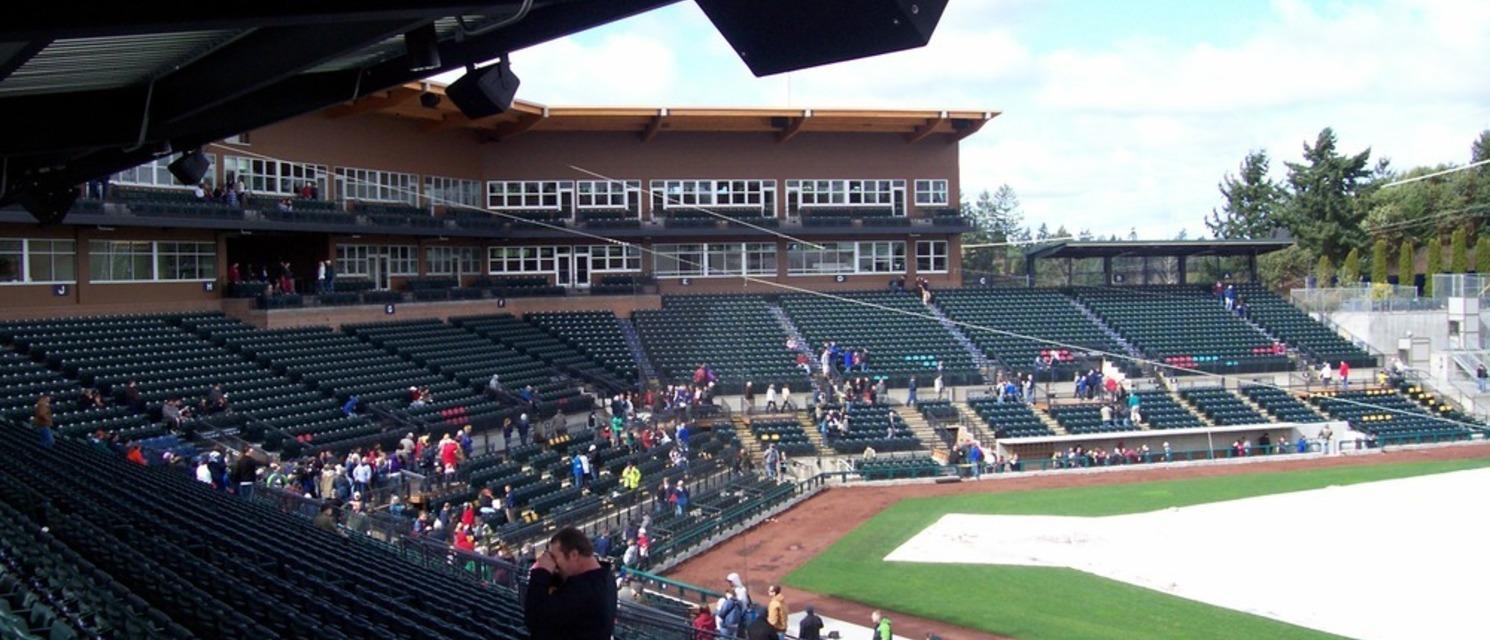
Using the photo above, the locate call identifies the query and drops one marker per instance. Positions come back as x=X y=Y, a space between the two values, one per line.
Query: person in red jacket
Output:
x=1344 y=375
x=703 y=623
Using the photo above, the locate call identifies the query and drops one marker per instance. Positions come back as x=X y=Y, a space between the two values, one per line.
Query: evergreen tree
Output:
x=1406 y=263
x=1435 y=265
x=1324 y=272
x=1482 y=256
x=1350 y=270
x=1252 y=201
x=1379 y=261
x=1061 y=232
x=1043 y=233
x=1458 y=252
x=1182 y=235
x=1132 y=233
x=1321 y=210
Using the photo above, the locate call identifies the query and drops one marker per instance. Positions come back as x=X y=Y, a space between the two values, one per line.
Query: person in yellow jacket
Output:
x=631 y=477
x=776 y=612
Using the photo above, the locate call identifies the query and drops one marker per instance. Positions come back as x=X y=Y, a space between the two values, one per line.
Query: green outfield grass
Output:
x=1045 y=602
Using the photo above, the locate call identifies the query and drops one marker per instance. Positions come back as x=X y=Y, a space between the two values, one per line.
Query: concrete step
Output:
x=923 y=430
x=1050 y=421
x=813 y=436
x=747 y=438
x=1254 y=406
x=1189 y=406
x=974 y=424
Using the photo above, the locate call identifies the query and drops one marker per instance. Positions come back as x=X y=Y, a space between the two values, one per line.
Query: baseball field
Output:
x=845 y=569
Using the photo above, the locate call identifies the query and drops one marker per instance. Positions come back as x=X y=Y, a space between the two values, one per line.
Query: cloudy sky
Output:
x=1115 y=114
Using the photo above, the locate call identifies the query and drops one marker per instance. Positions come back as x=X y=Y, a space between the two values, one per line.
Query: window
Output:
x=931 y=256
x=447 y=260
x=274 y=176
x=185 y=261
x=376 y=186
x=12 y=260
x=931 y=193
x=353 y=260
x=527 y=194
x=51 y=261
x=615 y=257
x=450 y=192
x=607 y=194
x=886 y=194
x=156 y=174
x=120 y=261
x=242 y=139
x=521 y=260
x=678 y=260
x=760 y=258
x=832 y=258
x=881 y=257
x=749 y=195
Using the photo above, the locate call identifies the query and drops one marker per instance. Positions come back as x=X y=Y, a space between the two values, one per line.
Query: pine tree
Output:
x=1482 y=256
x=1435 y=264
x=1350 y=270
x=1406 y=263
x=1458 y=252
x=1043 y=233
x=1252 y=200
x=1379 y=261
x=1321 y=209
x=1324 y=272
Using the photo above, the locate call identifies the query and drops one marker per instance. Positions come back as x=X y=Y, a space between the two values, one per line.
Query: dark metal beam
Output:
x=57 y=20
x=791 y=130
x=15 y=54
x=653 y=128
x=275 y=53
x=924 y=130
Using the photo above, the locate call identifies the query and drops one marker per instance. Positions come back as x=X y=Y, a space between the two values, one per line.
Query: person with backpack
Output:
x=881 y=627
x=729 y=615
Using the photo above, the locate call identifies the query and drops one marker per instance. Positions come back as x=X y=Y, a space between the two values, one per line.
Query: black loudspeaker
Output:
x=48 y=203
x=190 y=168
x=484 y=92
x=773 y=36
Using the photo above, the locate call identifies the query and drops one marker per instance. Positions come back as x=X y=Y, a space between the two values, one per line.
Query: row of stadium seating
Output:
x=735 y=335
x=1390 y=415
x=900 y=345
x=544 y=348
x=1046 y=314
x=1221 y=406
x=787 y=435
x=597 y=334
x=1010 y=419
x=874 y=426
x=1294 y=327
x=171 y=558
x=1183 y=330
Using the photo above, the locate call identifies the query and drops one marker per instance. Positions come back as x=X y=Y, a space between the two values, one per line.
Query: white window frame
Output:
x=97 y=257
x=444 y=261
x=448 y=192
x=528 y=195
x=522 y=259
x=374 y=185
x=156 y=174
x=729 y=194
x=199 y=253
x=607 y=195
x=34 y=247
x=880 y=256
x=679 y=260
x=278 y=177
x=352 y=259
x=615 y=258
x=927 y=253
x=932 y=192
x=846 y=193
x=761 y=259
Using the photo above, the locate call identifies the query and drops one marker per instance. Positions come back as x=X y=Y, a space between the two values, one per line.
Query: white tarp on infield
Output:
x=1392 y=559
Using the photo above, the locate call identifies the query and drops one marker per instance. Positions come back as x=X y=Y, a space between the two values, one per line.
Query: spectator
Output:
x=350 y=406
x=1344 y=374
x=217 y=399
x=937 y=385
x=703 y=623
x=811 y=626
x=679 y=498
x=285 y=206
x=729 y=613
x=577 y=469
x=330 y=276
x=42 y=418
x=749 y=396
x=772 y=458
x=522 y=428
x=1481 y=376
x=881 y=627
x=571 y=595
x=1325 y=374
x=776 y=611
x=326 y=519
x=910 y=392
x=320 y=270
x=759 y=629
x=771 y=398
x=786 y=398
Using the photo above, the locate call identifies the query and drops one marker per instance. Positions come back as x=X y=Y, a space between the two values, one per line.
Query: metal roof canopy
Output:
x=91 y=92
x=1178 y=248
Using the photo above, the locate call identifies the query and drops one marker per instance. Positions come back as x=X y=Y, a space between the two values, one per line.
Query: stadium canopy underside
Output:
x=1106 y=263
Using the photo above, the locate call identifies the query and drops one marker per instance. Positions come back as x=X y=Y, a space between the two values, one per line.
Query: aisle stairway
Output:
x=984 y=364
x=813 y=435
x=923 y=431
x=1168 y=386
x=644 y=366
x=795 y=334
x=1050 y=421
x=1111 y=333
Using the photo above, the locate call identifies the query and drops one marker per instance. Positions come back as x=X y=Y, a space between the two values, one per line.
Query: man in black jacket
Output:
x=571 y=595
x=811 y=626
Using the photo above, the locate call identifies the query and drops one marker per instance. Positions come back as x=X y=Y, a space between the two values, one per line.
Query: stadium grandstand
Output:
x=318 y=313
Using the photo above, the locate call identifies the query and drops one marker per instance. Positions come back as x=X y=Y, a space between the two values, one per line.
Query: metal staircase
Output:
x=645 y=370
x=985 y=365
x=796 y=335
